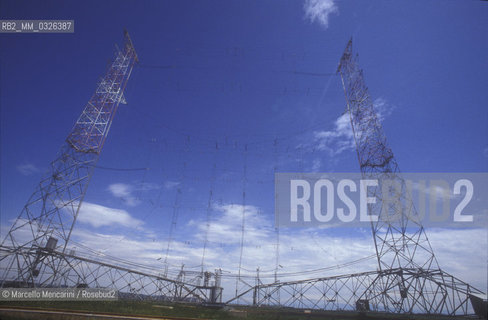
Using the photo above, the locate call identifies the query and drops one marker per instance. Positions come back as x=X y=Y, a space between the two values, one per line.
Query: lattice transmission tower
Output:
x=408 y=279
x=399 y=237
x=46 y=222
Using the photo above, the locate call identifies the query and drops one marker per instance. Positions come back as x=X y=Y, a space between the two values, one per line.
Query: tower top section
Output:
x=90 y=130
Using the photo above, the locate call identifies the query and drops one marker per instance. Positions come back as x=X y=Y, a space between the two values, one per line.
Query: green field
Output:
x=124 y=307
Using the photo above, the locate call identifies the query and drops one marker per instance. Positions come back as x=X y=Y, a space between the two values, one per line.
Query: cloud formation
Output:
x=227 y=225
x=125 y=192
x=27 y=169
x=319 y=11
x=337 y=140
x=100 y=216
x=171 y=184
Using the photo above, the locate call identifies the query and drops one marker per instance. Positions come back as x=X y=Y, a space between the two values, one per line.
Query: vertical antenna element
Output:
x=408 y=279
x=46 y=222
x=400 y=239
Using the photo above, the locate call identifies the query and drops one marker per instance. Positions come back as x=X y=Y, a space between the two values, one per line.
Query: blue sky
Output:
x=246 y=83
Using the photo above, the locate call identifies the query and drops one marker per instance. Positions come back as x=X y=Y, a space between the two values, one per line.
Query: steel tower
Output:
x=46 y=222
x=408 y=279
x=399 y=237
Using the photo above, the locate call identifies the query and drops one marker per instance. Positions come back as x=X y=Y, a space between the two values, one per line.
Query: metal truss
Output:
x=132 y=282
x=48 y=218
x=441 y=293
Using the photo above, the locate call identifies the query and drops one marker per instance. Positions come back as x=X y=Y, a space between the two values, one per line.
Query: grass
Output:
x=126 y=307
x=201 y=312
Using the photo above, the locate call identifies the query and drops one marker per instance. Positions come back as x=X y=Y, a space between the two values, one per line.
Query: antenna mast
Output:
x=46 y=222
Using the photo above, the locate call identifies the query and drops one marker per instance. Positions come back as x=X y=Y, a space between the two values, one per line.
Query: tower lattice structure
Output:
x=46 y=222
x=399 y=237
x=408 y=278
x=400 y=240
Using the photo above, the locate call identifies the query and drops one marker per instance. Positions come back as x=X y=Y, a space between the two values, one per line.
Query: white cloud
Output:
x=100 y=216
x=383 y=108
x=27 y=169
x=126 y=191
x=171 y=184
x=316 y=164
x=129 y=248
x=119 y=190
x=462 y=253
x=300 y=249
x=227 y=226
x=435 y=191
x=337 y=140
x=319 y=11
